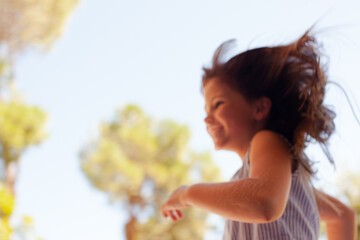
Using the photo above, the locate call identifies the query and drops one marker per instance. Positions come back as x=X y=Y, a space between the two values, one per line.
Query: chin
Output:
x=220 y=145
x=217 y=147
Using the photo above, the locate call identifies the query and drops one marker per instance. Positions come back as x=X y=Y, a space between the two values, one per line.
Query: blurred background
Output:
x=101 y=115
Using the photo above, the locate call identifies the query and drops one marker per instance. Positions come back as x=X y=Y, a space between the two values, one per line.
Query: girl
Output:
x=265 y=104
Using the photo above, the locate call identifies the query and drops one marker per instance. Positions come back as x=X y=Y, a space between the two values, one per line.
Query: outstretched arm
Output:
x=341 y=222
x=239 y=200
x=260 y=198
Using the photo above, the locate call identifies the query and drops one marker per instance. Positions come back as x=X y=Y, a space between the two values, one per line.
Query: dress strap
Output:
x=286 y=140
x=247 y=155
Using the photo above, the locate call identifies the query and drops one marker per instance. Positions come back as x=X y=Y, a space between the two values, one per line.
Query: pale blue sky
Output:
x=151 y=53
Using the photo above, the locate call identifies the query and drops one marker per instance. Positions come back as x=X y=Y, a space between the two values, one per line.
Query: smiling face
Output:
x=231 y=119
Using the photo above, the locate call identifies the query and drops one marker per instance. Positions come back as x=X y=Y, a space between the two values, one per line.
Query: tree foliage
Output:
x=21 y=126
x=23 y=24
x=36 y=23
x=139 y=161
x=7 y=204
x=29 y=23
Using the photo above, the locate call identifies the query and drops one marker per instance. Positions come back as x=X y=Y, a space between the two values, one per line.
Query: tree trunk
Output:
x=11 y=175
x=130 y=228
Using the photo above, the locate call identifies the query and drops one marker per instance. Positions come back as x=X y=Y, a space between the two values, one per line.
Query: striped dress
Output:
x=300 y=221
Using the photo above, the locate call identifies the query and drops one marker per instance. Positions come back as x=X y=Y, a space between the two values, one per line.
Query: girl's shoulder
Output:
x=269 y=135
x=269 y=144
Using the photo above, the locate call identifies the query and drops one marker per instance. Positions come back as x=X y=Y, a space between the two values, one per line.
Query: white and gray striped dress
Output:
x=300 y=221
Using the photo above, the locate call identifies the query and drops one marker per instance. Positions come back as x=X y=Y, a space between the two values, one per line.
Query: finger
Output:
x=179 y=213
x=164 y=212
x=172 y=215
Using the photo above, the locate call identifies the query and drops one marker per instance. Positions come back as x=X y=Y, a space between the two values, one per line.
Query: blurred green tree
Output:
x=29 y=23
x=21 y=126
x=138 y=162
x=23 y=24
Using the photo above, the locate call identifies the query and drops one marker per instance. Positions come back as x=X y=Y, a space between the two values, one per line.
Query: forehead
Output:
x=215 y=86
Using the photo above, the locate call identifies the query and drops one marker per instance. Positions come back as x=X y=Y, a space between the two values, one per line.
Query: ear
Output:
x=262 y=108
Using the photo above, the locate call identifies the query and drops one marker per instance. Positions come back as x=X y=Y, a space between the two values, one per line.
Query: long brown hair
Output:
x=294 y=79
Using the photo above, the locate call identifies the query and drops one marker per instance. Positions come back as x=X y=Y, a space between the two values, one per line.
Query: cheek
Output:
x=226 y=115
x=237 y=120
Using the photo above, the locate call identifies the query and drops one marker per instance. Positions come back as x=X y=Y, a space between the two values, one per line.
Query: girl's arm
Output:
x=260 y=198
x=341 y=220
x=236 y=200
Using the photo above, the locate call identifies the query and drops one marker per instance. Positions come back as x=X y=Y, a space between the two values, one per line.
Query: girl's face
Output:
x=229 y=120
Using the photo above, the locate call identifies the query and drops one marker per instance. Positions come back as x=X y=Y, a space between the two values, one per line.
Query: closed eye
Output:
x=217 y=104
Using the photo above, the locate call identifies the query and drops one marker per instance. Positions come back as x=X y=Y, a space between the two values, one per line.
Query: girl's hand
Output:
x=175 y=202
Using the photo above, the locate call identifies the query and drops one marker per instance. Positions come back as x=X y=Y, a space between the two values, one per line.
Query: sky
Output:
x=151 y=53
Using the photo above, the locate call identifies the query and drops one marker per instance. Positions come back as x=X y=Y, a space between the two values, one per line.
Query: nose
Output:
x=207 y=119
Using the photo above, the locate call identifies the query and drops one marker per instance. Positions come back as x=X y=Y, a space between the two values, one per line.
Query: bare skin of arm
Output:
x=260 y=198
x=340 y=220
x=237 y=200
